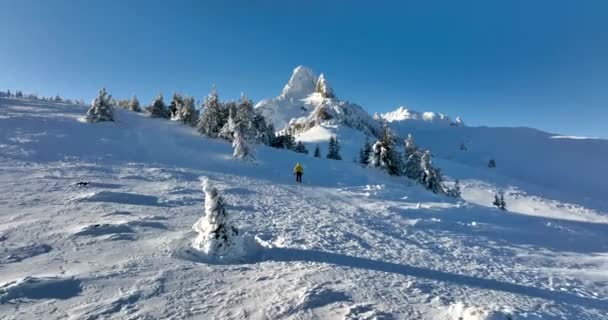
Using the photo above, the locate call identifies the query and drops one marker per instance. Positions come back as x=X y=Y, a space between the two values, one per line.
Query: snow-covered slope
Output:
x=350 y=243
x=566 y=169
x=308 y=100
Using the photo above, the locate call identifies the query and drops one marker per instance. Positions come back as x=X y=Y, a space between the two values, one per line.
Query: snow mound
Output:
x=459 y=311
x=21 y=253
x=120 y=197
x=37 y=288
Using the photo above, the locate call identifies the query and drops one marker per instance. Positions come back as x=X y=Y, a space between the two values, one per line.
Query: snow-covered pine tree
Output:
x=431 y=179
x=244 y=118
x=101 y=109
x=270 y=134
x=188 y=114
x=410 y=145
x=241 y=148
x=300 y=148
x=134 y=104
x=158 y=109
x=499 y=200
x=228 y=129
x=384 y=153
x=177 y=102
x=210 y=122
x=333 y=149
x=324 y=88
x=317 y=153
x=413 y=166
x=454 y=191
x=216 y=234
x=284 y=140
x=365 y=152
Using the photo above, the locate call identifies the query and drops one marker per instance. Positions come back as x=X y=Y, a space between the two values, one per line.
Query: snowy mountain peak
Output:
x=324 y=88
x=403 y=114
x=308 y=101
x=302 y=83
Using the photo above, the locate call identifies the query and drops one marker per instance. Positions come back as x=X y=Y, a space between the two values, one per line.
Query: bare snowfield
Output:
x=350 y=243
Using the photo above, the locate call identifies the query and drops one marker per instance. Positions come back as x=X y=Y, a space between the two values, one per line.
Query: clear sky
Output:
x=533 y=63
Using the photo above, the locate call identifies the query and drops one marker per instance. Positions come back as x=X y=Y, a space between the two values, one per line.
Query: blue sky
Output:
x=539 y=63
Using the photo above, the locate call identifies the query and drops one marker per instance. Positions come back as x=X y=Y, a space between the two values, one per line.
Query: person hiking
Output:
x=298 y=171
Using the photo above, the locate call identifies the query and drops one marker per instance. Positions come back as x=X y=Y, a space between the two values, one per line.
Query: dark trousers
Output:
x=299 y=177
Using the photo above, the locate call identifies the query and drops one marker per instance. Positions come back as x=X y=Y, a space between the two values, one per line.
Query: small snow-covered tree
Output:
x=317 y=153
x=177 y=102
x=158 y=109
x=454 y=191
x=365 y=152
x=413 y=166
x=241 y=148
x=216 y=234
x=229 y=127
x=188 y=114
x=134 y=104
x=244 y=118
x=210 y=122
x=333 y=149
x=499 y=200
x=410 y=145
x=431 y=179
x=101 y=109
x=384 y=154
x=300 y=148
x=284 y=140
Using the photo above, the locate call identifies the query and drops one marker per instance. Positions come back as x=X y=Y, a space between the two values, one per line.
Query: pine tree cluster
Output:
x=333 y=149
x=499 y=200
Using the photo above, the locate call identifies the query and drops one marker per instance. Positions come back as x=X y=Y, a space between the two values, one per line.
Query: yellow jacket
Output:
x=298 y=169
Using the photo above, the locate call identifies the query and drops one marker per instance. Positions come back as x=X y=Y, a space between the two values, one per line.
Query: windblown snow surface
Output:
x=349 y=243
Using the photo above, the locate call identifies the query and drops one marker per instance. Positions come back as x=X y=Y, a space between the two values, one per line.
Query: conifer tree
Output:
x=365 y=152
x=300 y=148
x=333 y=150
x=384 y=153
x=175 y=106
x=432 y=176
x=410 y=145
x=413 y=166
x=454 y=191
x=317 y=153
x=134 y=104
x=244 y=118
x=158 y=109
x=101 y=109
x=216 y=234
x=188 y=114
x=210 y=122
x=241 y=148
x=499 y=200
x=228 y=130
x=270 y=134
